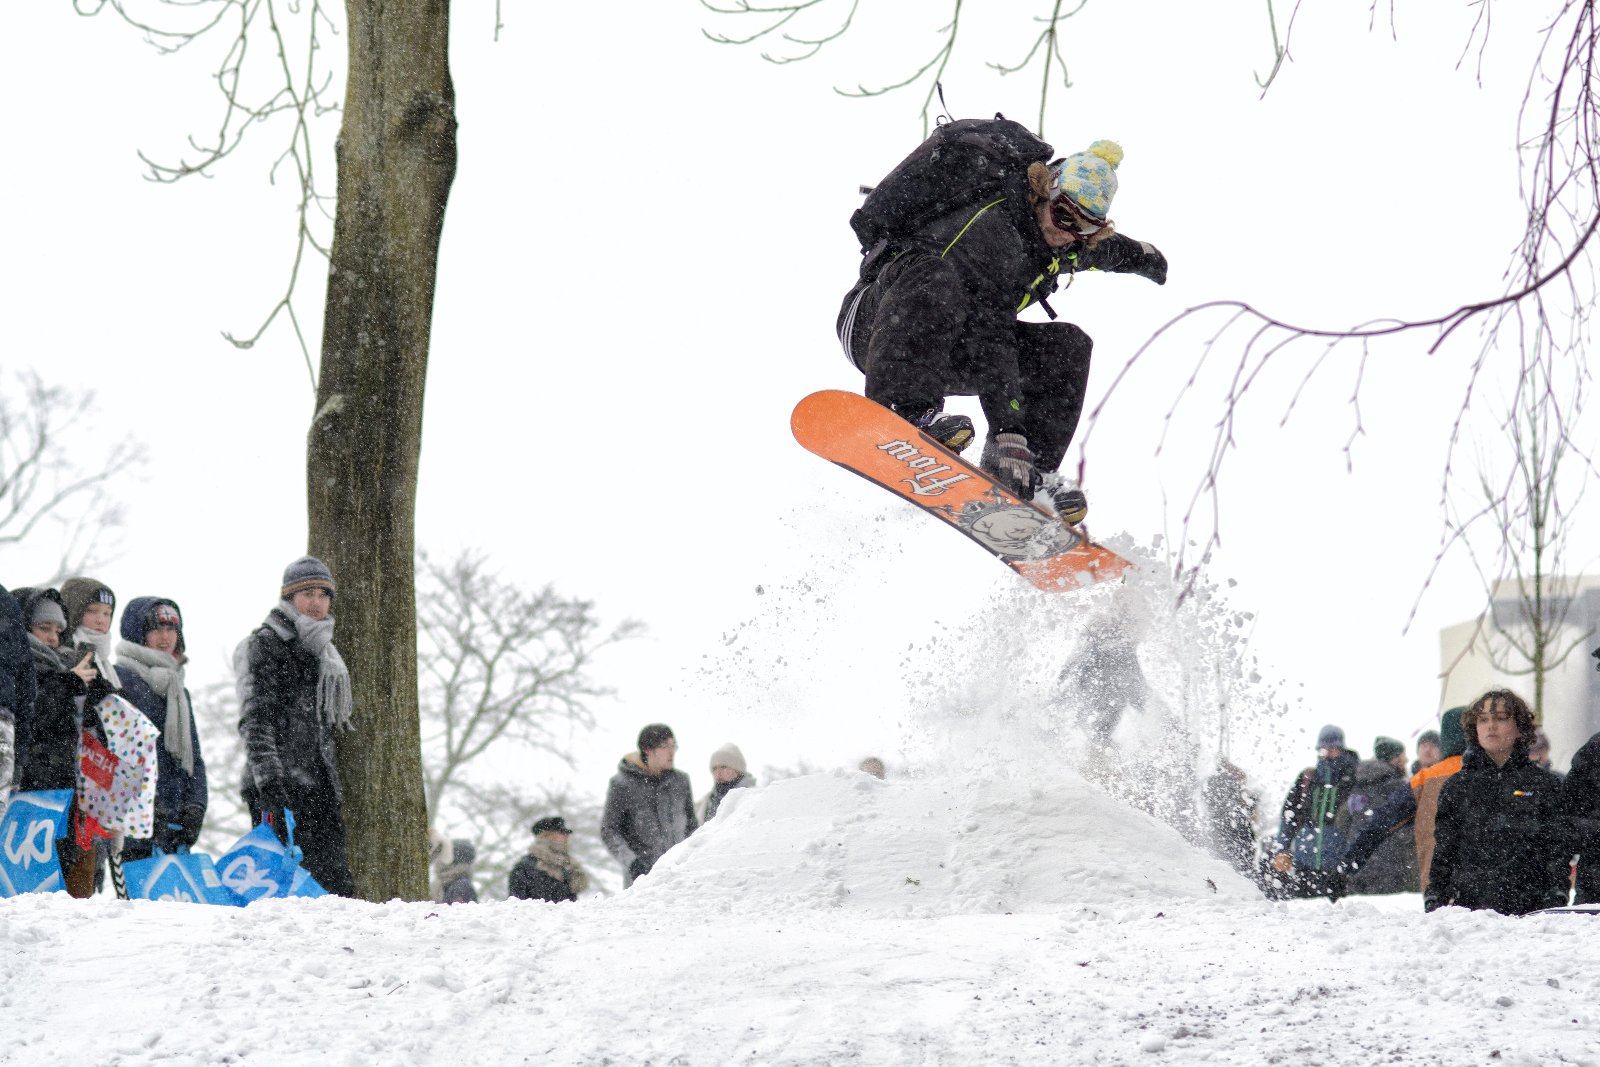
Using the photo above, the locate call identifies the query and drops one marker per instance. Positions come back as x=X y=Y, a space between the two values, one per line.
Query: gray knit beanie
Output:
x=307 y=572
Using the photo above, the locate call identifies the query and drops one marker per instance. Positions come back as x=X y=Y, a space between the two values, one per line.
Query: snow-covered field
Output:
x=820 y=920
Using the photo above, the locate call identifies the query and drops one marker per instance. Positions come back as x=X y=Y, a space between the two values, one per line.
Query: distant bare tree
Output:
x=1531 y=507
x=53 y=489
x=506 y=686
x=1540 y=318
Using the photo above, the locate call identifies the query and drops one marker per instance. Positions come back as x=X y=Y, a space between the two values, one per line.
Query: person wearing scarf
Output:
x=68 y=691
x=294 y=694
x=90 y=604
x=548 y=871
x=150 y=662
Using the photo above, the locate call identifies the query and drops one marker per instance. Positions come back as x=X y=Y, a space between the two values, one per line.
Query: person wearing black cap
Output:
x=294 y=693
x=649 y=805
x=1429 y=751
x=548 y=871
x=1311 y=832
x=150 y=664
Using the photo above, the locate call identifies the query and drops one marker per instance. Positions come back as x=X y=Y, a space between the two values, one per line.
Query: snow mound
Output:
x=925 y=847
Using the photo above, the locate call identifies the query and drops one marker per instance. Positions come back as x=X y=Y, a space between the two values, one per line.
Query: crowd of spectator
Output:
x=1481 y=820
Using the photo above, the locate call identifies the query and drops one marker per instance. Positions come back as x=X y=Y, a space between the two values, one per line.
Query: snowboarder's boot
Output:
x=1071 y=506
x=953 y=431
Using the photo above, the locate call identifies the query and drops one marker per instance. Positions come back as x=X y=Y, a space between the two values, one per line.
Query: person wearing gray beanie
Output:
x=728 y=771
x=294 y=696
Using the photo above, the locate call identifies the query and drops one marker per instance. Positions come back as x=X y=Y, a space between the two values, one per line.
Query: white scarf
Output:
x=163 y=673
x=85 y=638
x=335 y=702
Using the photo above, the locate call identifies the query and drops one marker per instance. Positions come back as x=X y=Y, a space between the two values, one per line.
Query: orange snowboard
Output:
x=877 y=444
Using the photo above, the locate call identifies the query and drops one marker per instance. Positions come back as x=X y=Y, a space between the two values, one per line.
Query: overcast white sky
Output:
x=643 y=256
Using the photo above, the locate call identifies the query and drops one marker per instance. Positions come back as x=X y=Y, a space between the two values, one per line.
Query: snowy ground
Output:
x=821 y=920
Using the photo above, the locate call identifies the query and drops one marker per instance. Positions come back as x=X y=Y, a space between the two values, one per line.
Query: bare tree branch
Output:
x=43 y=481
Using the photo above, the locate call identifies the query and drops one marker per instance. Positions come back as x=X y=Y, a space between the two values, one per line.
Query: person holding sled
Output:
x=947 y=271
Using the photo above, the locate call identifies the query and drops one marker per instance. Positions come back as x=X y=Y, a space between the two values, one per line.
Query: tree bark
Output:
x=396 y=159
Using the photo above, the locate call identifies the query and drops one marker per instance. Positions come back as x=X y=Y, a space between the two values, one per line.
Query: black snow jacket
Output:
x=289 y=753
x=548 y=872
x=1001 y=264
x=1391 y=865
x=1502 y=840
x=1581 y=792
x=62 y=709
x=645 y=815
x=1315 y=816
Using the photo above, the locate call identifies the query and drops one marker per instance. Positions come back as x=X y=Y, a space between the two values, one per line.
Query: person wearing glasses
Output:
x=941 y=318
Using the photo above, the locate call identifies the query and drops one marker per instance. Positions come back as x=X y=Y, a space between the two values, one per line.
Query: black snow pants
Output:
x=917 y=334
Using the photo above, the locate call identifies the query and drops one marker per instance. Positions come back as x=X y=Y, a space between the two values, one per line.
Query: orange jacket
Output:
x=1426 y=784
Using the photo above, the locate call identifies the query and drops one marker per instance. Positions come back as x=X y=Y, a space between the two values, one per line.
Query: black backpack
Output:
x=962 y=161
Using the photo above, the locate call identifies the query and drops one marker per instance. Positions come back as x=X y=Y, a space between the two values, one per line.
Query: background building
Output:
x=1477 y=655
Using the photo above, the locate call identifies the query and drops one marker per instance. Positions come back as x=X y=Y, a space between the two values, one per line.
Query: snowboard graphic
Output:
x=877 y=444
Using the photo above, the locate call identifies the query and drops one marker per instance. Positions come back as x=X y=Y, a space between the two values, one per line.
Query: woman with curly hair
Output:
x=1501 y=839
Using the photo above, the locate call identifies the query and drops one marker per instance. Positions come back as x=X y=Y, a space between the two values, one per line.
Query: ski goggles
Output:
x=1068 y=216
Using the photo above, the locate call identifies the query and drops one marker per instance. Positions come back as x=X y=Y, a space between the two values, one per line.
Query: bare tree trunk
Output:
x=397 y=158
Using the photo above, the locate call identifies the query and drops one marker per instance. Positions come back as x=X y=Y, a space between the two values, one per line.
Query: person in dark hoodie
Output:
x=934 y=314
x=649 y=805
x=69 y=690
x=728 y=772
x=1582 y=794
x=1502 y=840
x=548 y=872
x=294 y=693
x=1391 y=867
x=1311 y=832
x=17 y=690
x=1408 y=812
x=150 y=663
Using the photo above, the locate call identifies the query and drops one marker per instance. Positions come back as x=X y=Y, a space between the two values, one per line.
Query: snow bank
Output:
x=936 y=846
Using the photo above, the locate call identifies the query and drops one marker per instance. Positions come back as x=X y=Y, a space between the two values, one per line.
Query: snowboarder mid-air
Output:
x=970 y=230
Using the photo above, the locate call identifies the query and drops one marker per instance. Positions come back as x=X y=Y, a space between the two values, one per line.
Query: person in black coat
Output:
x=294 y=692
x=69 y=691
x=1502 y=840
x=1581 y=791
x=940 y=318
x=17 y=689
x=548 y=872
x=150 y=665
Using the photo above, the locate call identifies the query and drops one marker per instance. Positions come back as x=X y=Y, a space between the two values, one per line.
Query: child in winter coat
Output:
x=150 y=662
x=940 y=317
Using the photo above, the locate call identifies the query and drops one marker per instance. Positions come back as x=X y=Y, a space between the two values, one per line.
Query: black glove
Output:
x=1152 y=264
x=273 y=806
x=1431 y=903
x=638 y=868
x=1007 y=458
x=189 y=825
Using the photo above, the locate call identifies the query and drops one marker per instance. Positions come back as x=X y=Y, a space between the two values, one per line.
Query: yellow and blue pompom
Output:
x=1090 y=178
